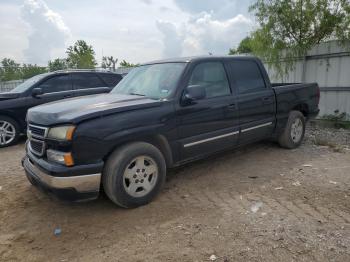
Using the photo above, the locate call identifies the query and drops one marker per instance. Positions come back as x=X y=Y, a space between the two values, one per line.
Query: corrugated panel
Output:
x=328 y=64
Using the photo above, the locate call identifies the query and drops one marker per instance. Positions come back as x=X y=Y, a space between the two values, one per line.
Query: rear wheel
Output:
x=9 y=131
x=134 y=174
x=293 y=134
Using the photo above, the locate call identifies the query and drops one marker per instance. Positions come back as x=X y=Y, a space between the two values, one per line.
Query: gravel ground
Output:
x=259 y=203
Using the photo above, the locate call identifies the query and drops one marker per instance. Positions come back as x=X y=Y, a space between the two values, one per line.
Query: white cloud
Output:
x=220 y=9
x=171 y=39
x=138 y=30
x=47 y=31
x=203 y=34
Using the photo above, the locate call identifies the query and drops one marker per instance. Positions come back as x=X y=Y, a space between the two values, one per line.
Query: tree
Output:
x=81 y=55
x=127 y=64
x=109 y=62
x=244 y=47
x=288 y=29
x=29 y=70
x=57 y=64
x=9 y=70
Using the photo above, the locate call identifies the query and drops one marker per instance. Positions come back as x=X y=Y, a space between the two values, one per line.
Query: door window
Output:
x=56 y=84
x=247 y=75
x=84 y=81
x=212 y=76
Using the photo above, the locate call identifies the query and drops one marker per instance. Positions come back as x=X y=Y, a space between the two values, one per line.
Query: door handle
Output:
x=66 y=96
x=231 y=106
x=266 y=100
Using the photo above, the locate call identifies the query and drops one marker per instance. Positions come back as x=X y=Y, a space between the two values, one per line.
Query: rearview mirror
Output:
x=37 y=92
x=193 y=93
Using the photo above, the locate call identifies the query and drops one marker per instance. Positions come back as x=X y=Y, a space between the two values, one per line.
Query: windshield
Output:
x=27 y=84
x=155 y=81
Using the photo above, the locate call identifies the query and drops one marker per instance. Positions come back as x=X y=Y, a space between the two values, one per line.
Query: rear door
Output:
x=255 y=100
x=209 y=124
x=88 y=84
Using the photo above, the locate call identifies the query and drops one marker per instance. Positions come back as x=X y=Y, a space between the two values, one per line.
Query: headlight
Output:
x=61 y=132
x=60 y=157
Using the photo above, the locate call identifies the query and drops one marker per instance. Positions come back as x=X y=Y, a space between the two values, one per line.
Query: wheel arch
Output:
x=303 y=108
x=157 y=140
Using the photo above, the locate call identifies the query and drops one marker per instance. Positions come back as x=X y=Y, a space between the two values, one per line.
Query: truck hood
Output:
x=75 y=110
x=8 y=96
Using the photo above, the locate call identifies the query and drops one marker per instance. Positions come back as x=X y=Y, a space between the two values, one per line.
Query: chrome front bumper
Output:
x=70 y=185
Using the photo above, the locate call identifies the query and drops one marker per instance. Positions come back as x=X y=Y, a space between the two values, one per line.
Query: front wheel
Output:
x=294 y=131
x=134 y=174
x=9 y=131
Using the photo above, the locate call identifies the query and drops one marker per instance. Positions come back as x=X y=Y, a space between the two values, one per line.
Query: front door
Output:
x=211 y=123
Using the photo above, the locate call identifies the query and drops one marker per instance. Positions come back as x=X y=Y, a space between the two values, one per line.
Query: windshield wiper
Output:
x=136 y=94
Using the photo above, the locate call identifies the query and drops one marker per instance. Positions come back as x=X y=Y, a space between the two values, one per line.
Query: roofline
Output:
x=199 y=58
x=83 y=70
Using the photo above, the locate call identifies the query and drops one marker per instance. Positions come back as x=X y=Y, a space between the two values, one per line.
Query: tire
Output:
x=294 y=131
x=9 y=131
x=134 y=174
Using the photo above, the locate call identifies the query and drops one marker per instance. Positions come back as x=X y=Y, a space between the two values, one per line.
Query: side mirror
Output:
x=193 y=93
x=37 y=92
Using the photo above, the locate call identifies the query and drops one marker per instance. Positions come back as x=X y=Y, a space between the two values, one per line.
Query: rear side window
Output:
x=247 y=76
x=87 y=80
x=56 y=84
x=212 y=76
x=111 y=79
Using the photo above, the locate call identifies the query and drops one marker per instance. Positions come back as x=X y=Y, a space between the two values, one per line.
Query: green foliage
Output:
x=29 y=70
x=81 y=55
x=339 y=119
x=244 y=47
x=109 y=62
x=10 y=70
x=127 y=64
x=57 y=64
x=288 y=29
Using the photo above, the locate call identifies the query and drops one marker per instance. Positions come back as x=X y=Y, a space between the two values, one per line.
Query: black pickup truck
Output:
x=161 y=115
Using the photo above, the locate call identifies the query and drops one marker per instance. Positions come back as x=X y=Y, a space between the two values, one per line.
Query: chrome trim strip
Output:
x=255 y=127
x=85 y=183
x=210 y=139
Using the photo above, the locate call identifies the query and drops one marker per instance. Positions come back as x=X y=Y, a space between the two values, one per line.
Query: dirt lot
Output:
x=259 y=203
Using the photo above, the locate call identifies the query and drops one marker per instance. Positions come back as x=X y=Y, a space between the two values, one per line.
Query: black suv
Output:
x=45 y=88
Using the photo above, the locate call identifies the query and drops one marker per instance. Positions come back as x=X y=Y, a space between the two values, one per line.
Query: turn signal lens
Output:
x=60 y=157
x=68 y=159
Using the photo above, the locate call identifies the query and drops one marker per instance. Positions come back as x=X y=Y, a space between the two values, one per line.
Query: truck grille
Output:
x=37 y=131
x=37 y=147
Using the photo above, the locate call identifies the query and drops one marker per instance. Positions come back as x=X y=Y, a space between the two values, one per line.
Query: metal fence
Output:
x=328 y=64
x=9 y=85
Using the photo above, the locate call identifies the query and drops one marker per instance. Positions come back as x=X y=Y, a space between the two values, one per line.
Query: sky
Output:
x=36 y=31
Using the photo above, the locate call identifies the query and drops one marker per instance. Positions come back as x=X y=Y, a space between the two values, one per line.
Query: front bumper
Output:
x=71 y=187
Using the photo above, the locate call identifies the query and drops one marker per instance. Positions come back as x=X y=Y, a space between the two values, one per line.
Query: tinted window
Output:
x=212 y=77
x=111 y=79
x=83 y=81
x=28 y=83
x=56 y=84
x=247 y=75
